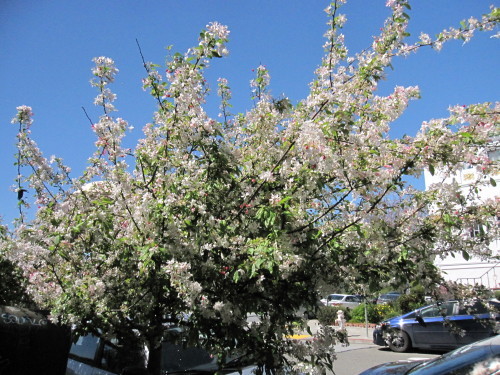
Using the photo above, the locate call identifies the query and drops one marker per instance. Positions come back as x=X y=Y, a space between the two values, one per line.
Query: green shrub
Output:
x=358 y=313
x=386 y=311
x=375 y=313
x=497 y=294
x=328 y=314
x=409 y=302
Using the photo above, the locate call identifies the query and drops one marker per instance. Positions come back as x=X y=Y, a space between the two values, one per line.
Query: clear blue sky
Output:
x=46 y=49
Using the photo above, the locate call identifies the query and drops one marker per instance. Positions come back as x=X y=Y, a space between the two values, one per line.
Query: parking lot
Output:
x=362 y=354
x=356 y=357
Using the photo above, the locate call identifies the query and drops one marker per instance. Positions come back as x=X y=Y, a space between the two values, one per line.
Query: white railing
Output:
x=489 y=276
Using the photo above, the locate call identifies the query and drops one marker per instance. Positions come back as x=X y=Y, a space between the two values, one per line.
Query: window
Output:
x=179 y=358
x=476 y=231
x=431 y=312
x=494 y=155
x=335 y=297
x=447 y=309
x=476 y=308
x=85 y=347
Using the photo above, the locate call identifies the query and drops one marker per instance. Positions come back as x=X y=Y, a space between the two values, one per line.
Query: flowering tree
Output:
x=217 y=219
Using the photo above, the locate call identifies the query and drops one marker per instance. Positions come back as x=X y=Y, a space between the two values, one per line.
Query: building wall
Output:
x=475 y=270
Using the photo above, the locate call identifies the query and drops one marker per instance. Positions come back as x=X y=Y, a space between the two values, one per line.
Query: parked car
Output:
x=386 y=298
x=346 y=300
x=92 y=355
x=481 y=357
x=445 y=325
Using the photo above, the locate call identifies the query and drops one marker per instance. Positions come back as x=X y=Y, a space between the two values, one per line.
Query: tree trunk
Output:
x=154 y=361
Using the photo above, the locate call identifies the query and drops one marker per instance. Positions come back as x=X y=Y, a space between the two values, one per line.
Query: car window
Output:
x=451 y=308
x=110 y=360
x=446 y=309
x=430 y=312
x=335 y=297
x=85 y=347
x=477 y=308
x=350 y=299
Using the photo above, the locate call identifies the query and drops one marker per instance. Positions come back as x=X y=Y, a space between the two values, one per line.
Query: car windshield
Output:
x=460 y=361
x=178 y=358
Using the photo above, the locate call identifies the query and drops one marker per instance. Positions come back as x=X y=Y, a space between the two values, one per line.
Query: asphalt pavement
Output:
x=362 y=353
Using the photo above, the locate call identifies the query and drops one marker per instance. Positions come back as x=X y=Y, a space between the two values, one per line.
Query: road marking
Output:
x=299 y=337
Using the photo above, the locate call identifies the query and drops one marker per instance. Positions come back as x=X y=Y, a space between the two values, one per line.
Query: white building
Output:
x=473 y=271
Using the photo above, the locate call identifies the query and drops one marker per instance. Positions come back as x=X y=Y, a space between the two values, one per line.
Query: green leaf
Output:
x=493 y=182
x=236 y=277
x=465 y=254
x=270 y=219
x=103 y=201
x=286 y=199
x=466 y=135
x=57 y=239
x=447 y=219
x=431 y=169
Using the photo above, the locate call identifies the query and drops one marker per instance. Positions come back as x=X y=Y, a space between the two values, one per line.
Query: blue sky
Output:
x=47 y=47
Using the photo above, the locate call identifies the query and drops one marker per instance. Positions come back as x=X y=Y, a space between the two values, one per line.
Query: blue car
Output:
x=441 y=326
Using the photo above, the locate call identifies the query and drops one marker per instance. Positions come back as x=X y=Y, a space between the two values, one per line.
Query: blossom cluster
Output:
x=24 y=116
x=212 y=41
x=105 y=71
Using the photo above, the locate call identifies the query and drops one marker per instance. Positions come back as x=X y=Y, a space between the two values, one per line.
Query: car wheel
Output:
x=399 y=341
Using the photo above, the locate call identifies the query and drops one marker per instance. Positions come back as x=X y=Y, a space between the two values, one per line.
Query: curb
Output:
x=357 y=333
x=354 y=339
x=359 y=340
